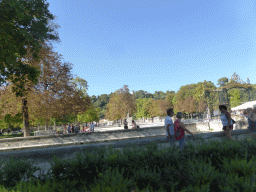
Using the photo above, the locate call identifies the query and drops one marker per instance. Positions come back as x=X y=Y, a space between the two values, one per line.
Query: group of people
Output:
x=176 y=131
x=134 y=126
x=79 y=129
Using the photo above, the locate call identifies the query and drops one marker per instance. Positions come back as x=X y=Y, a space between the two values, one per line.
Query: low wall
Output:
x=19 y=143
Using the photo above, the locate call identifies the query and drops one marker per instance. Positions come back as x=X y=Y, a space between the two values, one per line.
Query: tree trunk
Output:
x=25 y=118
x=46 y=124
x=191 y=115
x=152 y=119
x=54 y=125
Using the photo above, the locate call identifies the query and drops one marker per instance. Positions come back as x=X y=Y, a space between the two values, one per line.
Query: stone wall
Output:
x=19 y=143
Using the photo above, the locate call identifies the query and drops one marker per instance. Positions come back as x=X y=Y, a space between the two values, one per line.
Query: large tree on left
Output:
x=23 y=24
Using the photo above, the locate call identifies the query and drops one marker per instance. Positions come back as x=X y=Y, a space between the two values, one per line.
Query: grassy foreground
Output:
x=225 y=166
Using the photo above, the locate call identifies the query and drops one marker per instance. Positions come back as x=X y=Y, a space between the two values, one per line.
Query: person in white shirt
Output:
x=169 y=126
x=226 y=121
x=92 y=127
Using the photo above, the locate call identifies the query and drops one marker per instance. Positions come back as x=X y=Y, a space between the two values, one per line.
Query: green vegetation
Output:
x=206 y=166
x=6 y=135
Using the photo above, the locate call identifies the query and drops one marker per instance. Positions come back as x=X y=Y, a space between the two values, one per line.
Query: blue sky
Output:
x=156 y=45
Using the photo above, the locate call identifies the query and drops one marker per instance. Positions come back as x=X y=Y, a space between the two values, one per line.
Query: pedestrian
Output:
x=92 y=127
x=251 y=115
x=226 y=121
x=72 y=128
x=169 y=126
x=76 y=129
x=179 y=129
x=125 y=124
x=69 y=129
x=134 y=125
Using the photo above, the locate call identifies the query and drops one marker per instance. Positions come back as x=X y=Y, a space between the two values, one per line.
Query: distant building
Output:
x=132 y=92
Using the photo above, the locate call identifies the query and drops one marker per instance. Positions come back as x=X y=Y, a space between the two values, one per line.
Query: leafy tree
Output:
x=170 y=92
x=90 y=115
x=81 y=85
x=234 y=97
x=202 y=105
x=113 y=108
x=93 y=99
x=139 y=94
x=24 y=24
x=223 y=79
x=55 y=96
x=170 y=98
x=141 y=111
x=192 y=105
x=149 y=95
x=13 y=121
x=163 y=105
x=151 y=108
x=121 y=103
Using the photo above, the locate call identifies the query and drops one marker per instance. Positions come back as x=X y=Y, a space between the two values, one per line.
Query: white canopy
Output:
x=245 y=105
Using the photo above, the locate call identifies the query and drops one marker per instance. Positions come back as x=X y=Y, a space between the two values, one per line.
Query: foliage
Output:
x=24 y=26
x=170 y=98
x=141 y=108
x=81 y=85
x=234 y=97
x=121 y=103
x=90 y=115
x=210 y=166
x=223 y=79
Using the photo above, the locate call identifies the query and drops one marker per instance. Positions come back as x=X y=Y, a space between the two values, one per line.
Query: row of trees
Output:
x=189 y=99
x=57 y=97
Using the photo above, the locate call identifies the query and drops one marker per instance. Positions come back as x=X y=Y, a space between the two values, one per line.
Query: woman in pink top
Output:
x=179 y=130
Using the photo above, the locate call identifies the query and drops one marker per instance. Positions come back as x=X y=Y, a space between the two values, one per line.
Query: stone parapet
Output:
x=19 y=143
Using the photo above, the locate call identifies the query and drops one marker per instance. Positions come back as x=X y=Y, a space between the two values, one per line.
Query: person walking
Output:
x=226 y=121
x=179 y=130
x=72 y=128
x=76 y=129
x=169 y=126
x=92 y=127
x=134 y=126
x=251 y=115
x=125 y=124
x=69 y=129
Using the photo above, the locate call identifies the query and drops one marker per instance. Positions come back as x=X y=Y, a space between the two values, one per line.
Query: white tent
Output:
x=244 y=106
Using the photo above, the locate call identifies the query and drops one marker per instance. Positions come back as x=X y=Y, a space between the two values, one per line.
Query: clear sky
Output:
x=156 y=45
